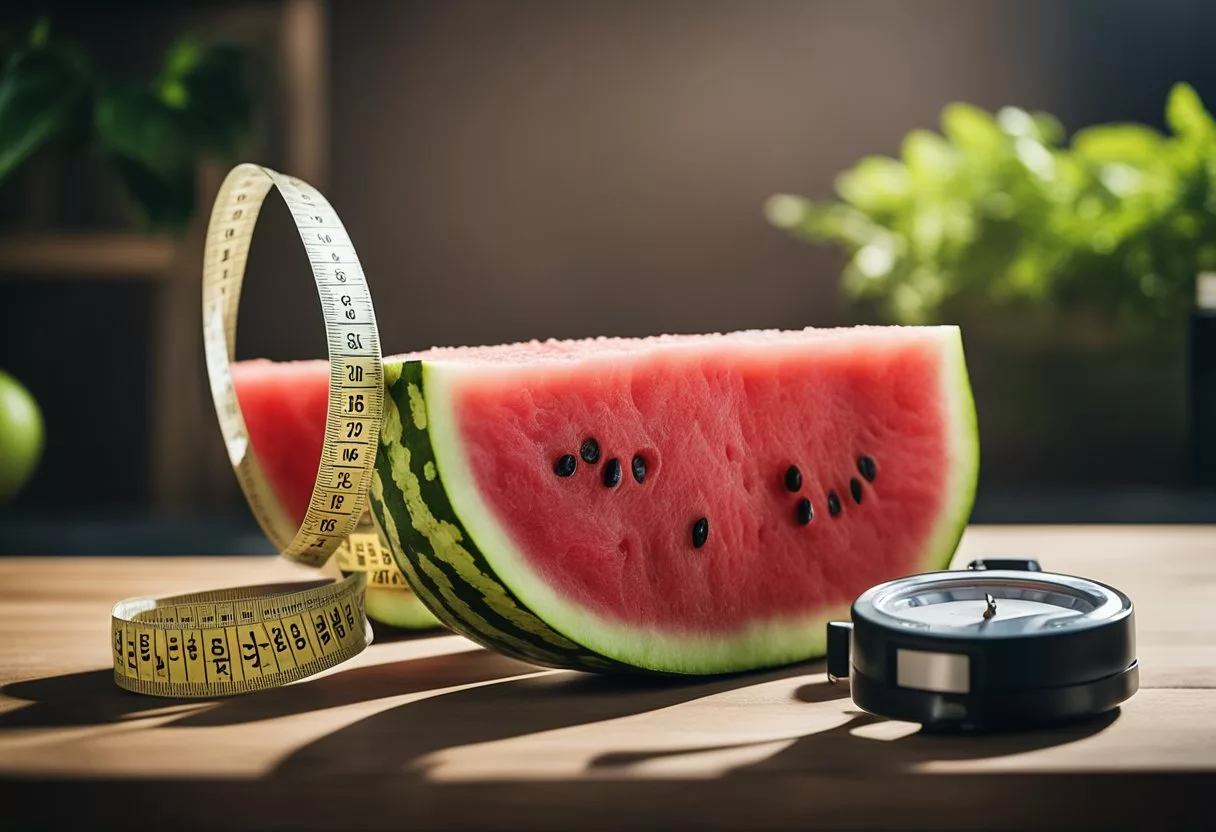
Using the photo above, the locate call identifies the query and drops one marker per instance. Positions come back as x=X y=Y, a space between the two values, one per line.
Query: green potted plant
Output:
x=149 y=133
x=1070 y=265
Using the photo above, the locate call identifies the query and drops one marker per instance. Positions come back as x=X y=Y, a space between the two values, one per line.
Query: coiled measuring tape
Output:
x=238 y=640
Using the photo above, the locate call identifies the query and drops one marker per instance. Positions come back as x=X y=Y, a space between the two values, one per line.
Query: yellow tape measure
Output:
x=239 y=640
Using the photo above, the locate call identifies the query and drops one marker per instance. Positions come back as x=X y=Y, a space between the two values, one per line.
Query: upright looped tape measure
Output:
x=238 y=640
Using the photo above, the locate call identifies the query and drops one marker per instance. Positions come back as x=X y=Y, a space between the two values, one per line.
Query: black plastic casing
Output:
x=996 y=710
x=1015 y=681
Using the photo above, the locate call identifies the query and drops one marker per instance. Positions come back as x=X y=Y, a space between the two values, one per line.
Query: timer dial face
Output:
x=986 y=605
x=1005 y=615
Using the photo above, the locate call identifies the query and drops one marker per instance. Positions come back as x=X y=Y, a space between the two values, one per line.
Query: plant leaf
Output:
x=929 y=158
x=1185 y=113
x=212 y=89
x=1048 y=128
x=972 y=129
x=876 y=184
x=1128 y=143
x=151 y=150
x=134 y=123
x=39 y=91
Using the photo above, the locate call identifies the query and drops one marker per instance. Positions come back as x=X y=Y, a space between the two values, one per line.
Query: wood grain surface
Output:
x=430 y=731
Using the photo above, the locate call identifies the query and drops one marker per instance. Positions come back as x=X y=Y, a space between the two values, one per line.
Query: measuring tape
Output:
x=238 y=640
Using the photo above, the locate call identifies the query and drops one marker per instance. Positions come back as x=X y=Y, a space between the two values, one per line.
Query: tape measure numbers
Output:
x=238 y=640
x=364 y=550
x=356 y=382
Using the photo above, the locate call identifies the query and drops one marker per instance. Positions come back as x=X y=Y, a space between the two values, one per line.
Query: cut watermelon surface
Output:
x=284 y=406
x=683 y=504
x=778 y=475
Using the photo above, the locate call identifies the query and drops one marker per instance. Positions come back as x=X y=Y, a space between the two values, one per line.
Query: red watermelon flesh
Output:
x=716 y=437
x=284 y=406
x=588 y=570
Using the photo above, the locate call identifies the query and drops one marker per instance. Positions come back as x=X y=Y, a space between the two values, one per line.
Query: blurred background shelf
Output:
x=117 y=255
x=120 y=375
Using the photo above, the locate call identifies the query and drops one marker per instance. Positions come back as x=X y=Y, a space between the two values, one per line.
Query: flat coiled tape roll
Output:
x=238 y=640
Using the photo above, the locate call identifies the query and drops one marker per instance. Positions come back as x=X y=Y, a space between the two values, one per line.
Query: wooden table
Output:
x=432 y=732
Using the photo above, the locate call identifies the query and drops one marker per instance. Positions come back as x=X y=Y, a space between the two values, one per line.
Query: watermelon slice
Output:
x=284 y=406
x=683 y=504
x=679 y=504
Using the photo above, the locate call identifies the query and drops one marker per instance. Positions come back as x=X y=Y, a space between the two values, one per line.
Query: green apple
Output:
x=21 y=436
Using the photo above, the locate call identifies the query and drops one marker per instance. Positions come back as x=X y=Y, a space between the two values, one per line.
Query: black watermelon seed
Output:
x=804 y=512
x=565 y=465
x=793 y=478
x=612 y=473
x=867 y=468
x=833 y=504
x=855 y=490
x=589 y=450
x=700 y=532
x=639 y=468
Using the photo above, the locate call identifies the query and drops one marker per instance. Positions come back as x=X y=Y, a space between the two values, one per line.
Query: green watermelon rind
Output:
x=400 y=609
x=438 y=527
x=436 y=554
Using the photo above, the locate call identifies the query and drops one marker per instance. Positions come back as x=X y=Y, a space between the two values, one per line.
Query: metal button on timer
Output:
x=1001 y=644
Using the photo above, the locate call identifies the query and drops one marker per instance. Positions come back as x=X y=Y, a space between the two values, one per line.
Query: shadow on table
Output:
x=510 y=699
x=534 y=704
x=92 y=698
x=512 y=708
x=842 y=749
x=520 y=699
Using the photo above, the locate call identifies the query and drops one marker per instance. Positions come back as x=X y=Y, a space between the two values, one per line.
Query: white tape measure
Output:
x=238 y=640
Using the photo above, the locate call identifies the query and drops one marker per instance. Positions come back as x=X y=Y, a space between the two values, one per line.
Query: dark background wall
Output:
x=515 y=170
x=537 y=169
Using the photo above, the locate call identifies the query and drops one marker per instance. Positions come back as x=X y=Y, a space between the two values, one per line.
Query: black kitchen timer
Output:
x=1000 y=645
